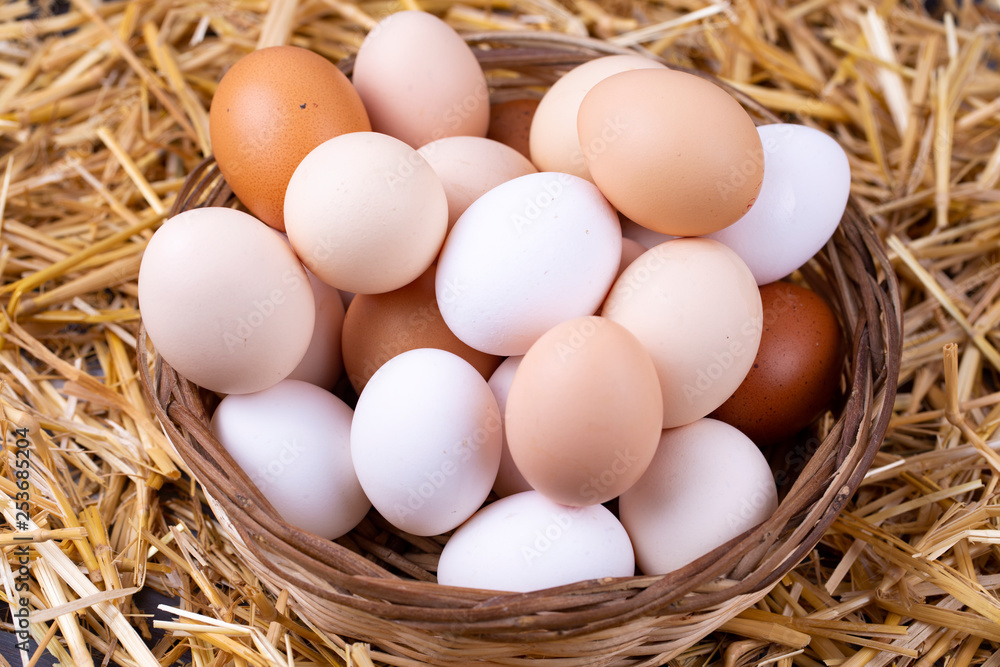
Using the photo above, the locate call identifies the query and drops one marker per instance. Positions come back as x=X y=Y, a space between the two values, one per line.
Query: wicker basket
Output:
x=376 y=584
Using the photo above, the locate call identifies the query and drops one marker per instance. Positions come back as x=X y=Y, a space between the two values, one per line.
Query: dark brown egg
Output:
x=377 y=327
x=796 y=372
x=271 y=108
x=510 y=123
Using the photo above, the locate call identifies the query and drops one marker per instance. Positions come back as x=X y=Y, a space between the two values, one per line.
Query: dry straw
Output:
x=102 y=118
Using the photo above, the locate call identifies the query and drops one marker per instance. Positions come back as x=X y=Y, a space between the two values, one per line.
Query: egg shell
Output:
x=426 y=441
x=796 y=372
x=584 y=412
x=707 y=484
x=377 y=327
x=631 y=251
x=553 y=139
x=323 y=363
x=294 y=442
x=270 y=109
x=672 y=151
x=469 y=167
x=225 y=301
x=510 y=124
x=807 y=181
x=420 y=81
x=526 y=542
x=527 y=255
x=366 y=213
x=696 y=308
x=509 y=479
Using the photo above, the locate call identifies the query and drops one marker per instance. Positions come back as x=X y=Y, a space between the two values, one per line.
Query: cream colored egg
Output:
x=707 y=484
x=553 y=139
x=469 y=167
x=420 y=81
x=323 y=362
x=509 y=479
x=366 y=213
x=696 y=308
x=225 y=301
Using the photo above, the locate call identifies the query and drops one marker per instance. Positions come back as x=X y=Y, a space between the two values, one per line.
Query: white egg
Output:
x=426 y=440
x=707 y=484
x=293 y=441
x=807 y=180
x=526 y=542
x=509 y=479
x=530 y=253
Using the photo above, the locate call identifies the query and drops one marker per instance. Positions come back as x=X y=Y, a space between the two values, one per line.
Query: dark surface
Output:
x=146 y=600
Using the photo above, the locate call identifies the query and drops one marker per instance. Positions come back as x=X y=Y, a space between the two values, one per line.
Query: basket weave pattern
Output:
x=376 y=584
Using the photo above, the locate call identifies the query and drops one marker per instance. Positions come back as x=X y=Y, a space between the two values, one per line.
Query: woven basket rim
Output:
x=852 y=272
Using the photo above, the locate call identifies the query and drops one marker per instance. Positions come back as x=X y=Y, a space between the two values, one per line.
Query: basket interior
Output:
x=377 y=583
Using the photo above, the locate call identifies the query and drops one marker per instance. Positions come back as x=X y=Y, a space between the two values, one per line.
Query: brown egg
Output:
x=510 y=123
x=271 y=108
x=584 y=413
x=673 y=152
x=796 y=372
x=378 y=327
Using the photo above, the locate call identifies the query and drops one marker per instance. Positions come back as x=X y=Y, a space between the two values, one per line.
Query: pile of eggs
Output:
x=586 y=310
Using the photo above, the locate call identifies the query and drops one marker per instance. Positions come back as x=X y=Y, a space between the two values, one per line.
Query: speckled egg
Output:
x=271 y=108
x=510 y=123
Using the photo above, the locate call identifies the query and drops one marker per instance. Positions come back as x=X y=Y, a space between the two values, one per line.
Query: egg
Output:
x=807 y=180
x=695 y=306
x=509 y=479
x=584 y=412
x=796 y=372
x=510 y=123
x=631 y=251
x=323 y=363
x=469 y=167
x=225 y=301
x=526 y=542
x=270 y=109
x=366 y=213
x=672 y=151
x=530 y=253
x=377 y=327
x=420 y=81
x=425 y=441
x=707 y=484
x=553 y=139
x=293 y=441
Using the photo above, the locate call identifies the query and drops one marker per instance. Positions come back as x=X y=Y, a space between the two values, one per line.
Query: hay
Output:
x=103 y=112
